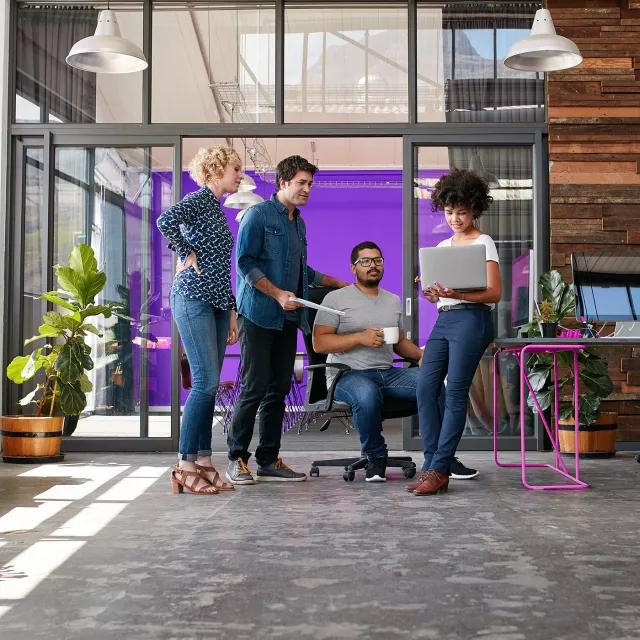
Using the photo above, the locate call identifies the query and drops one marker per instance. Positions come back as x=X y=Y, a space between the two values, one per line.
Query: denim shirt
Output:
x=197 y=223
x=262 y=251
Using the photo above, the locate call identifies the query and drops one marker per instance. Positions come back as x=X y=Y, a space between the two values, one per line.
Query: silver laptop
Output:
x=461 y=268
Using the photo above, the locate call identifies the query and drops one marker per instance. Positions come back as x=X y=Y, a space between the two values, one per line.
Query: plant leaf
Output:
x=15 y=368
x=48 y=331
x=552 y=286
x=69 y=363
x=597 y=366
x=95 y=282
x=565 y=412
x=545 y=399
x=55 y=299
x=29 y=397
x=85 y=384
x=91 y=329
x=82 y=259
x=565 y=358
x=96 y=310
x=567 y=306
x=588 y=408
x=54 y=319
x=68 y=281
x=531 y=330
x=539 y=375
x=33 y=339
x=72 y=399
x=598 y=384
x=31 y=367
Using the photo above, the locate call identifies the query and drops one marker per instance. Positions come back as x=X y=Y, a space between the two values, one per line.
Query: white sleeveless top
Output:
x=492 y=256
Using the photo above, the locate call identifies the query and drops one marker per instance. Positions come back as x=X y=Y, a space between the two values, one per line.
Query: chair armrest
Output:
x=336 y=365
x=412 y=363
x=342 y=369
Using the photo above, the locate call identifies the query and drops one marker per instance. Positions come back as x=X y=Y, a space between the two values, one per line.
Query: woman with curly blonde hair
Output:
x=203 y=307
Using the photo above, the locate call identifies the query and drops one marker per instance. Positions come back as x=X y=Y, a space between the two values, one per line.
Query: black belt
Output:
x=464 y=305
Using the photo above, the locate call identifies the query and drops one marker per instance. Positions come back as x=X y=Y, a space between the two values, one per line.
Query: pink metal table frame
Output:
x=520 y=354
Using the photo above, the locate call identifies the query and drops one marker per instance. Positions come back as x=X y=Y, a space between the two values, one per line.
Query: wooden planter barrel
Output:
x=31 y=440
x=596 y=440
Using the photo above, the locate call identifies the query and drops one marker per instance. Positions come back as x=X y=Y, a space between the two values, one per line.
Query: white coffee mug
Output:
x=391 y=335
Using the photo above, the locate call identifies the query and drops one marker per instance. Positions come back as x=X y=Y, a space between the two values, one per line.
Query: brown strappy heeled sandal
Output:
x=218 y=483
x=180 y=482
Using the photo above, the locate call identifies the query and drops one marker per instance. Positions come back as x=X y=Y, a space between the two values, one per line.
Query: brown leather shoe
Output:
x=434 y=482
x=414 y=485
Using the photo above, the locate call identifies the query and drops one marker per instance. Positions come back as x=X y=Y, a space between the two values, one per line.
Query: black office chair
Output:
x=319 y=399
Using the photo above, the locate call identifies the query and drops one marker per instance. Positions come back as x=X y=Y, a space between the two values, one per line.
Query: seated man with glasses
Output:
x=357 y=339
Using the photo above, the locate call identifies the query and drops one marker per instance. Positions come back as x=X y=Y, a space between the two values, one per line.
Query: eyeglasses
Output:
x=366 y=262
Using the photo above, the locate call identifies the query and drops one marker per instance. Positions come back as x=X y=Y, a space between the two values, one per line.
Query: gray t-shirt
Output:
x=295 y=251
x=361 y=312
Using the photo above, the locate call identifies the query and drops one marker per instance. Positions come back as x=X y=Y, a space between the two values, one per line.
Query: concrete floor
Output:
x=100 y=548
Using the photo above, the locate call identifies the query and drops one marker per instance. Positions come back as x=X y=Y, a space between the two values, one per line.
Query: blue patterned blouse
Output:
x=197 y=223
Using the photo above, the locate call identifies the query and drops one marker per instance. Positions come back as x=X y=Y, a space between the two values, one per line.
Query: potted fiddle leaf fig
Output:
x=597 y=430
x=63 y=362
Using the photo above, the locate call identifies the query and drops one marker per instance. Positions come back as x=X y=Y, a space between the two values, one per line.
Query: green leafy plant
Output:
x=559 y=302
x=547 y=312
x=66 y=360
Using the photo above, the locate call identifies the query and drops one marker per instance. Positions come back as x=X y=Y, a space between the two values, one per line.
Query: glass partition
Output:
x=48 y=89
x=110 y=199
x=509 y=221
x=346 y=64
x=213 y=62
x=461 y=72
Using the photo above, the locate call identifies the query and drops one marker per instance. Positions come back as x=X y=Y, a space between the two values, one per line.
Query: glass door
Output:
x=108 y=197
x=27 y=264
x=511 y=222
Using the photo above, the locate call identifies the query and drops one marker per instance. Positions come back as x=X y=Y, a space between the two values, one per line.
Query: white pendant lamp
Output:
x=247 y=183
x=107 y=51
x=241 y=214
x=543 y=50
x=242 y=200
x=477 y=167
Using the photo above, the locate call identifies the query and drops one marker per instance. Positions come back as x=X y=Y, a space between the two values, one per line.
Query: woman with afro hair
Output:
x=463 y=331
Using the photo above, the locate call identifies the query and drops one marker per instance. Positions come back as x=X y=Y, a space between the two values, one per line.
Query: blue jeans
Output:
x=364 y=391
x=204 y=330
x=457 y=342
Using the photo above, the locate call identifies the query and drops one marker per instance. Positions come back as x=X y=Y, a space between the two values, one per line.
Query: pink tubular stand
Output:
x=520 y=354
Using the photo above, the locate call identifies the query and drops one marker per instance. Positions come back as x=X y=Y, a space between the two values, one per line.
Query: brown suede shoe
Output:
x=414 y=485
x=434 y=482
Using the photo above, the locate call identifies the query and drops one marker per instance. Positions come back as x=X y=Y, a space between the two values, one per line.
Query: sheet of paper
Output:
x=319 y=307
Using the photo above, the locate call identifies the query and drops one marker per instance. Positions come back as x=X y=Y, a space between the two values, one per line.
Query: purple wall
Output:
x=336 y=219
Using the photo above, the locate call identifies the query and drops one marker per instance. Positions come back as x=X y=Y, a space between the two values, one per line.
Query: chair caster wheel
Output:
x=314 y=471
x=349 y=476
x=410 y=473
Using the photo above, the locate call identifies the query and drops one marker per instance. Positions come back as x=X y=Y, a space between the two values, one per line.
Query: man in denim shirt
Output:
x=271 y=255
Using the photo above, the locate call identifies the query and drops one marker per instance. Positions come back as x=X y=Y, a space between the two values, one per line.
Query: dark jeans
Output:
x=457 y=342
x=268 y=357
x=365 y=391
x=204 y=330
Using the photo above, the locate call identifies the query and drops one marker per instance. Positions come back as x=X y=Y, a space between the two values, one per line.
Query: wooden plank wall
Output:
x=594 y=147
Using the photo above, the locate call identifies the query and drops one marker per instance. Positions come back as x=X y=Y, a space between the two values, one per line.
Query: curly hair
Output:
x=210 y=163
x=287 y=169
x=462 y=188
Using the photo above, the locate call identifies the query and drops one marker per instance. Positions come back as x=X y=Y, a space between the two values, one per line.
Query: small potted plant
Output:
x=597 y=430
x=547 y=319
x=64 y=360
